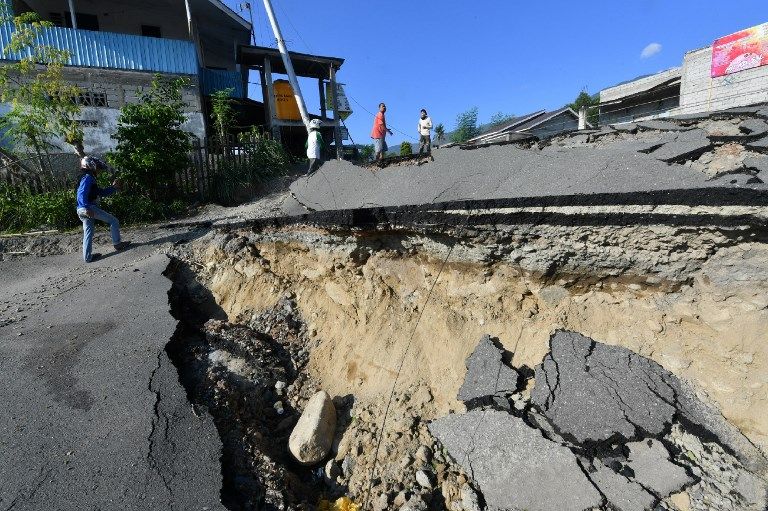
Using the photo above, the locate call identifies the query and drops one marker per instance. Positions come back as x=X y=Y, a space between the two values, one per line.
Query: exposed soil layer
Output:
x=385 y=297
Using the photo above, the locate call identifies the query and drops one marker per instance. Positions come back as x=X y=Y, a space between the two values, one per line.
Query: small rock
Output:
x=381 y=503
x=424 y=479
x=312 y=437
x=400 y=499
x=469 y=498
x=415 y=503
x=347 y=466
x=332 y=470
x=681 y=501
x=424 y=454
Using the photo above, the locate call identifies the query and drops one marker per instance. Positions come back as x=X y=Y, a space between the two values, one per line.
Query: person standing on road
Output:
x=314 y=146
x=425 y=129
x=379 y=132
x=88 y=195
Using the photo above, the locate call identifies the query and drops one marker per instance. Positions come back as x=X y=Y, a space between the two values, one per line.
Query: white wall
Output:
x=98 y=140
x=701 y=93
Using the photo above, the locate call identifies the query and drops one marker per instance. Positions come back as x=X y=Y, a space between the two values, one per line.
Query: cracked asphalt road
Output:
x=94 y=416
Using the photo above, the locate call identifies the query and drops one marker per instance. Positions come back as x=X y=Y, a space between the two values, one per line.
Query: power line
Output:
x=293 y=27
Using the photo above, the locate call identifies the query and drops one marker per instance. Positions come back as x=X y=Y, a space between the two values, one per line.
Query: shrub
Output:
x=22 y=210
x=406 y=149
x=151 y=145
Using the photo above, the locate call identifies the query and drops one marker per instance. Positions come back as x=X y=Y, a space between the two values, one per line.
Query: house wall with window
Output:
x=106 y=91
x=120 y=45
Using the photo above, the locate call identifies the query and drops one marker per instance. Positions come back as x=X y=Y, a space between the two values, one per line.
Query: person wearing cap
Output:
x=315 y=146
x=379 y=132
x=88 y=195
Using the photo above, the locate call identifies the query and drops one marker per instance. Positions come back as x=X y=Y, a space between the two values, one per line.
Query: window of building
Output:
x=84 y=21
x=150 y=31
x=90 y=98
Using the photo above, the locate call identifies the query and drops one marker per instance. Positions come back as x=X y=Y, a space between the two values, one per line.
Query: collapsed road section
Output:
x=622 y=363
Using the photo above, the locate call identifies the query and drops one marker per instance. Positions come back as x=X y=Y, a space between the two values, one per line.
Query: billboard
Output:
x=743 y=50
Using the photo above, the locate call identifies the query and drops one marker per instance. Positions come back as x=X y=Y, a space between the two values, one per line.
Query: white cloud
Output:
x=650 y=50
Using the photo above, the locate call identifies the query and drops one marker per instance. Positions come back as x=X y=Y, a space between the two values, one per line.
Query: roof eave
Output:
x=232 y=14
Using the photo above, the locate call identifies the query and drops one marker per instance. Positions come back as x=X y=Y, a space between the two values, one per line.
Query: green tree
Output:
x=406 y=149
x=589 y=101
x=466 y=126
x=222 y=114
x=43 y=105
x=500 y=117
x=439 y=133
x=151 y=145
x=366 y=152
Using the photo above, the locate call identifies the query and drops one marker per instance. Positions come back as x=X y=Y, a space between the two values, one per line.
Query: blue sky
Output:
x=499 y=55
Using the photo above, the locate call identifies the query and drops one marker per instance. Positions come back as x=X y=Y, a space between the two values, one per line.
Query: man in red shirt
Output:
x=379 y=132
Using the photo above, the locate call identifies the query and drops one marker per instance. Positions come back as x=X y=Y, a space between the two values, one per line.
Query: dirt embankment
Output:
x=409 y=304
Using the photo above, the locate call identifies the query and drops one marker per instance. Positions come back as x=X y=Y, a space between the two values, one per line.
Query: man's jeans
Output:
x=97 y=214
x=425 y=144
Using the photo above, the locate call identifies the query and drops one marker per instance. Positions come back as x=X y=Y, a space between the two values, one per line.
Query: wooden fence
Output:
x=210 y=166
x=212 y=172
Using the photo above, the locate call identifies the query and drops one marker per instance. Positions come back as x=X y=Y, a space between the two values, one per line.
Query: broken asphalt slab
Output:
x=661 y=126
x=684 y=145
x=514 y=465
x=94 y=416
x=487 y=374
x=596 y=394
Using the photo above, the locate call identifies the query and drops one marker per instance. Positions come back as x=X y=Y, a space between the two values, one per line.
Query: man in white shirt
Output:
x=425 y=129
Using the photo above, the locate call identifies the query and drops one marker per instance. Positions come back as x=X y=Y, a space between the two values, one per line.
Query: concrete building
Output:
x=689 y=89
x=701 y=93
x=117 y=46
x=642 y=97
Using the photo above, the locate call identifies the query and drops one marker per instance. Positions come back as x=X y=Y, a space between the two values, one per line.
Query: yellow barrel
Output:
x=285 y=101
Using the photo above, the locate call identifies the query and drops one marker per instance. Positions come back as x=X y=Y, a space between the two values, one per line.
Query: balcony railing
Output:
x=114 y=51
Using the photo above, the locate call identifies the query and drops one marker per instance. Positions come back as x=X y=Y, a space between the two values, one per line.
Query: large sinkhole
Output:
x=516 y=365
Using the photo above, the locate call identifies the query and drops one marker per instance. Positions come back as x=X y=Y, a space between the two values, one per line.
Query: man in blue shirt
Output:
x=88 y=195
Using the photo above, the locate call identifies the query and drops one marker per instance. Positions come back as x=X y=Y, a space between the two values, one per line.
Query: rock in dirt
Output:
x=513 y=464
x=415 y=503
x=312 y=437
x=487 y=374
x=469 y=499
x=424 y=479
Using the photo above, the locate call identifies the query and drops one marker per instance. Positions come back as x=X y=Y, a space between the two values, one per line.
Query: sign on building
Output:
x=743 y=50
x=344 y=109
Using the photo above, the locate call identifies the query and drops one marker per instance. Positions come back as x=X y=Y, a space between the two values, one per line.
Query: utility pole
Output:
x=247 y=5
x=287 y=63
